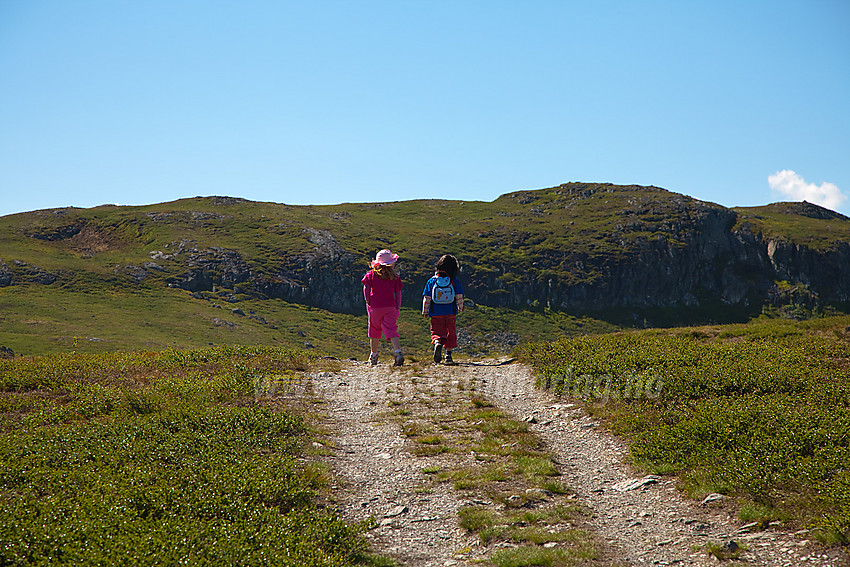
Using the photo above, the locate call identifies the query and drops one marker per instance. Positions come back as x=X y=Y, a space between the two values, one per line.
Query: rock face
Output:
x=323 y=276
x=709 y=262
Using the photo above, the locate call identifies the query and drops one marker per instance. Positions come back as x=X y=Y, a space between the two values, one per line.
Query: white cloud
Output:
x=789 y=184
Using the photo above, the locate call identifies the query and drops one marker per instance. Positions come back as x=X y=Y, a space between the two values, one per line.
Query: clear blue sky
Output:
x=319 y=101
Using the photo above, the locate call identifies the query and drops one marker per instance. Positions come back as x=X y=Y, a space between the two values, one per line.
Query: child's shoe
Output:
x=438 y=353
x=399 y=358
x=449 y=359
x=373 y=359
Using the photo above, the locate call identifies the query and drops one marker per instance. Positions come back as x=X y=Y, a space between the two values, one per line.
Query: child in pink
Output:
x=382 y=291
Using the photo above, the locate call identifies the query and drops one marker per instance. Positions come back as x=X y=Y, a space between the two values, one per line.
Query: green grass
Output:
x=161 y=457
x=37 y=320
x=40 y=320
x=760 y=412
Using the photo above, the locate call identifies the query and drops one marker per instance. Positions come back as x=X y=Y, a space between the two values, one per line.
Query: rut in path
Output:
x=384 y=474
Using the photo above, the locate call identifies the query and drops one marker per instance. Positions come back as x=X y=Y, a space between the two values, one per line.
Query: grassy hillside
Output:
x=105 y=278
x=86 y=245
x=112 y=266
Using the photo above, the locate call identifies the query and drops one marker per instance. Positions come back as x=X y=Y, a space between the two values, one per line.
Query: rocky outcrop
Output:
x=6 y=275
x=324 y=275
x=710 y=260
x=704 y=260
x=20 y=272
x=210 y=268
x=826 y=272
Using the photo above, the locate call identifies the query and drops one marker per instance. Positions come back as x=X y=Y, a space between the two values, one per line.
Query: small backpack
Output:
x=443 y=292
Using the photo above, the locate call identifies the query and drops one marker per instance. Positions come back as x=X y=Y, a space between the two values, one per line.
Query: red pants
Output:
x=443 y=330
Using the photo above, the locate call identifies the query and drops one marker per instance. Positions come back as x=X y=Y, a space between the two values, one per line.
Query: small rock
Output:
x=397 y=511
x=635 y=483
x=505 y=545
x=537 y=494
x=550 y=545
x=748 y=527
x=713 y=497
x=731 y=546
x=530 y=419
x=237 y=311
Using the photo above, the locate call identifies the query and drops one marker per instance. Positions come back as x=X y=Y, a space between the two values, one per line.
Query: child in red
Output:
x=441 y=301
x=382 y=291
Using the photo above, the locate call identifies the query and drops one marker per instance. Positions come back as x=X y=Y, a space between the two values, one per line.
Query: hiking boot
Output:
x=373 y=359
x=449 y=359
x=399 y=359
x=438 y=353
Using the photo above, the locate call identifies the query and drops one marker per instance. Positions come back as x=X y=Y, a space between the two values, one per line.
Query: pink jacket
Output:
x=379 y=292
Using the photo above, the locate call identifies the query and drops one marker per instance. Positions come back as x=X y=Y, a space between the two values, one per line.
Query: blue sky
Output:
x=315 y=102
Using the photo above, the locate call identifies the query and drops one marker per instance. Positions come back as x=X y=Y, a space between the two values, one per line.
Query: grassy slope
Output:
x=528 y=234
x=40 y=320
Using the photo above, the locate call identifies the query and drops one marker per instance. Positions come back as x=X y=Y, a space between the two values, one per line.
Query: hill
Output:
x=221 y=269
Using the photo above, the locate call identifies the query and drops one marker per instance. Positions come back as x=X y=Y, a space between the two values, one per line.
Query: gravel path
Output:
x=380 y=477
x=638 y=520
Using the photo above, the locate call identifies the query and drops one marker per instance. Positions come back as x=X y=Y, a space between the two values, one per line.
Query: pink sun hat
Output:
x=385 y=258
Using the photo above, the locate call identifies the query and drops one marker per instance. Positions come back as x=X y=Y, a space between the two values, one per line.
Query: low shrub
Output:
x=760 y=412
x=159 y=458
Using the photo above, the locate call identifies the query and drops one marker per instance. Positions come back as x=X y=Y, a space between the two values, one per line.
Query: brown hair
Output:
x=448 y=265
x=385 y=271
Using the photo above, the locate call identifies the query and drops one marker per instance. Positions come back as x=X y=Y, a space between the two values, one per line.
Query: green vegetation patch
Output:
x=802 y=223
x=167 y=458
x=761 y=412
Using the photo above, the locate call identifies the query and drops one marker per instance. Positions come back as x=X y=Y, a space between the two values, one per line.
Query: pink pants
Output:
x=443 y=331
x=382 y=319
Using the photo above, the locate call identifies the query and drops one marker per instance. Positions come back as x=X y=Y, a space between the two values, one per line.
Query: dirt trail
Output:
x=638 y=520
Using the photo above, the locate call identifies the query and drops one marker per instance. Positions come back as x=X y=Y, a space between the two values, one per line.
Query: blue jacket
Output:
x=442 y=309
